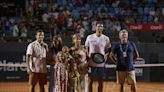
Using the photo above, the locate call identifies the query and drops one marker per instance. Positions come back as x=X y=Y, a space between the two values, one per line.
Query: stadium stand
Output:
x=63 y=17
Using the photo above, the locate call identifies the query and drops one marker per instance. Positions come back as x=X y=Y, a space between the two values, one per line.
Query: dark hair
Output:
x=99 y=22
x=39 y=31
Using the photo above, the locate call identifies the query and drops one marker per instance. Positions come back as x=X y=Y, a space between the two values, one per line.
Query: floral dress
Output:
x=61 y=78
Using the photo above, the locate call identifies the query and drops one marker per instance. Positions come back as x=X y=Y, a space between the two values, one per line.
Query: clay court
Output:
x=108 y=87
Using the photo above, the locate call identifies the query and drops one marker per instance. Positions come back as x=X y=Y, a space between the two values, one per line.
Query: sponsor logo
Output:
x=12 y=66
x=156 y=27
x=139 y=71
x=136 y=27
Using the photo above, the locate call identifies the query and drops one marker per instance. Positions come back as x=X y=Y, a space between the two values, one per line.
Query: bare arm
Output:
x=87 y=52
x=136 y=55
x=28 y=60
x=50 y=58
x=112 y=57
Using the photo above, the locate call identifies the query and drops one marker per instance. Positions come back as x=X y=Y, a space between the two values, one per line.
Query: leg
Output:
x=90 y=85
x=133 y=88
x=41 y=88
x=42 y=81
x=32 y=81
x=121 y=87
x=86 y=83
x=90 y=78
x=100 y=85
x=101 y=76
x=32 y=88
x=81 y=83
x=121 y=76
x=132 y=80
x=80 y=88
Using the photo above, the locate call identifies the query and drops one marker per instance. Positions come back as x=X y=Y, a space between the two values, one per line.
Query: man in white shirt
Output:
x=36 y=62
x=97 y=43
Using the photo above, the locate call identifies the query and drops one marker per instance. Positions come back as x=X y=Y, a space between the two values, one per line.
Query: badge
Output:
x=124 y=54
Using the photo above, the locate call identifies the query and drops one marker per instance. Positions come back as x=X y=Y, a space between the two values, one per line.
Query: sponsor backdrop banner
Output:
x=146 y=26
x=8 y=73
x=14 y=53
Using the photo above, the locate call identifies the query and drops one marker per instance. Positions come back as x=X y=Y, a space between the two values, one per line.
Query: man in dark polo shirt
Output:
x=123 y=54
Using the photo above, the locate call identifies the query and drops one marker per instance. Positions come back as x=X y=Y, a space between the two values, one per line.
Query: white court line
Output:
x=16 y=65
x=107 y=65
x=137 y=65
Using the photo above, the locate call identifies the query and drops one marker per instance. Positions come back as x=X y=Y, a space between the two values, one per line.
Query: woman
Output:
x=56 y=46
x=79 y=55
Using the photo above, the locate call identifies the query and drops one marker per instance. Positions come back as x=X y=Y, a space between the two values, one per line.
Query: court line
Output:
x=137 y=65
x=107 y=65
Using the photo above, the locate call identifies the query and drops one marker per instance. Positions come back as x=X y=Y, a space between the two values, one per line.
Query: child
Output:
x=74 y=78
x=60 y=74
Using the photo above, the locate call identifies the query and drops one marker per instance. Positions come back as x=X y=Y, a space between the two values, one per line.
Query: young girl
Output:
x=60 y=74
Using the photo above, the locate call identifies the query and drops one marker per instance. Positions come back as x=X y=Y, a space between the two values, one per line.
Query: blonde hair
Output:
x=65 y=48
x=75 y=36
x=58 y=55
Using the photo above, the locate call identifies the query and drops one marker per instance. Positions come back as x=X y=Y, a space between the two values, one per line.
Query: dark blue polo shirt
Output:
x=124 y=63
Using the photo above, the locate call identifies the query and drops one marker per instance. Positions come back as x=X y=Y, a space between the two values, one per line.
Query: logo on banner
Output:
x=8 y=68
x=139 y=71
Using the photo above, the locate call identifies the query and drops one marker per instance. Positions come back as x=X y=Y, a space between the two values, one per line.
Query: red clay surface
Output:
x=108 y=87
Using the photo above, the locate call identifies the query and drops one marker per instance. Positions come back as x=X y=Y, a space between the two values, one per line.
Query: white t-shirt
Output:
x=45 y=17
x=97 y=45
x=38 y=53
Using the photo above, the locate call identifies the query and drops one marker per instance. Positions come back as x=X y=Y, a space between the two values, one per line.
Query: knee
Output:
x=41 y=85
x=133 y=85
x=32 y=86
x=121 y=85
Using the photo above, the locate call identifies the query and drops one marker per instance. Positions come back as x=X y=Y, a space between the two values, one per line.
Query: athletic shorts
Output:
x=37 y=77
x=122 y=76
x=97 y=73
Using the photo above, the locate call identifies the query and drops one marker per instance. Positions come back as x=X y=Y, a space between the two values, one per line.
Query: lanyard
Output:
x=121 y=48
x=124 y=52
